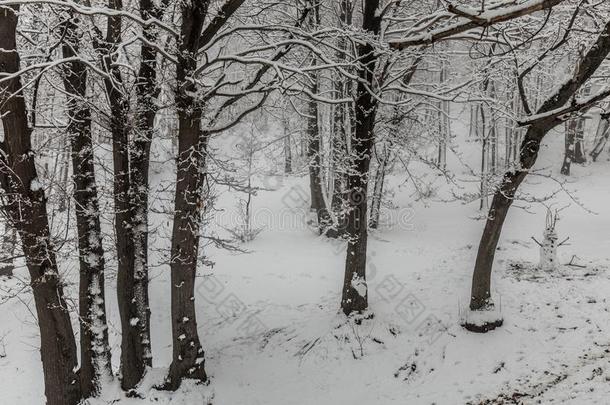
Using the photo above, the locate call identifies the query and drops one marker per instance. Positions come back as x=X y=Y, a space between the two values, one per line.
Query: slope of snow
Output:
x=273 y=335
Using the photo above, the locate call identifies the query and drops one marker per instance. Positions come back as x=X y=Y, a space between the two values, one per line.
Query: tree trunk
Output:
x=7 y=250
x=130 y=224
x=493 y=133
x=570 y=138
x=313 y=154
x=580 y=156
x=503 y=198
x=318 y=203
x=484 y=160
x=378 y=188
x=287 y=148
x=26 y=209
x=139 y=161
x=95 y=349
x=355 y=292
x=601 y=137
x=443 y=123
x=188 y=356
x=579 y=143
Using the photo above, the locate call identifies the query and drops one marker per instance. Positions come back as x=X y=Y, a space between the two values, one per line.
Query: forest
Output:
x=267 y=202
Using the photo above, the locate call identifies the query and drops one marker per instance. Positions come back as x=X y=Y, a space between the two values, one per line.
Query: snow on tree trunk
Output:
x=361 y=150
x=130 y=164
x=95 y=350
x=147 y=91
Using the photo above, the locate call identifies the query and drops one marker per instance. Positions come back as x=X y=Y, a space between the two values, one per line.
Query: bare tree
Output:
x=355 y=293
x=188 y=356
x=25 y=204
x=550 y=114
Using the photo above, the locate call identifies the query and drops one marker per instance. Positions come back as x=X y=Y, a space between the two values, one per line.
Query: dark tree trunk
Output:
x=188 y=356
x=94 y=347
x=503 y=198
x=570 y=138
x=25 y=206
x=355 y=294
x=575 y=139
x=132 y=282
x=579 y=144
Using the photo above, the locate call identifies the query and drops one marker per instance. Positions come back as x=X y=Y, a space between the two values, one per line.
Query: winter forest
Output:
x=298 y=202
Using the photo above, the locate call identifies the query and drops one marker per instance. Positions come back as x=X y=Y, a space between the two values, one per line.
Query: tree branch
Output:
x=472 y=21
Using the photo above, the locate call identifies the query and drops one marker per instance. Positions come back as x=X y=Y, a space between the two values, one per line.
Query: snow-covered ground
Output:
x=273 y=335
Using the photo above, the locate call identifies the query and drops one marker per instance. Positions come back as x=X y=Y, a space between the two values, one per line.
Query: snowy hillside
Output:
x=273 y=335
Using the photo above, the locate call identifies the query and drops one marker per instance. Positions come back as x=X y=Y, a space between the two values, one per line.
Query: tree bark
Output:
x=355 y=294
x=188 y=355
x=130 y=223
x=570 y=138
x=145 y=111
x=94 y=346
x=25 y=206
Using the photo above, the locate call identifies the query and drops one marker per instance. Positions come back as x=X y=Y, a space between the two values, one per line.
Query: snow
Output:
x=292 y=346
x=480 y=318
x=35 y=185
x=359 y=285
